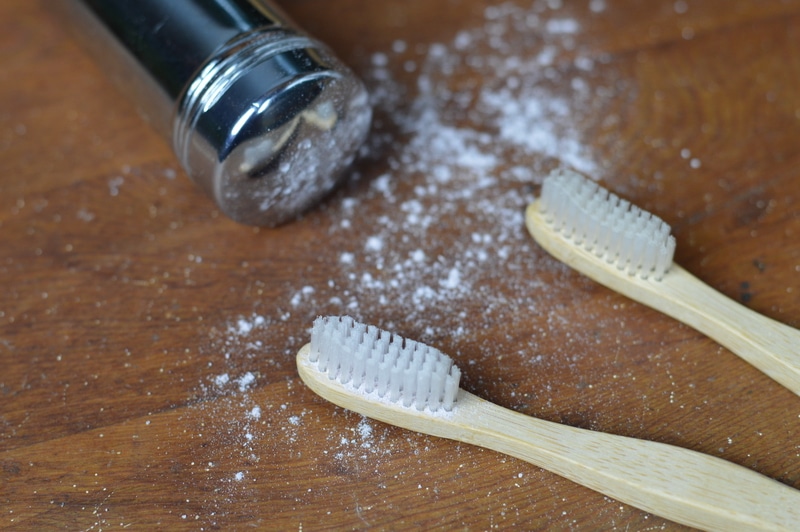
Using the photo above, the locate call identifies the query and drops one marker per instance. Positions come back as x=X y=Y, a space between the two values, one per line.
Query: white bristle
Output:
x=359 y=372
x=409 y=384
x=395 y=383
x=384 y=375
x=423 y=386
x=372 y=334
x=612 y=228
x=374 y=361
x=436 y=389
x=371 y=376
x=345 y=364
x=383 y=342
x=451 y=388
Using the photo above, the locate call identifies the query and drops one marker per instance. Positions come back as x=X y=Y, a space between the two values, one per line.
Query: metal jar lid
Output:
x=269 y=124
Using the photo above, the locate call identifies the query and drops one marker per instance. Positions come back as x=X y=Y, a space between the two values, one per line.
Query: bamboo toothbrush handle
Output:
x=682 y=485
x=678 y=484
x=770 y=346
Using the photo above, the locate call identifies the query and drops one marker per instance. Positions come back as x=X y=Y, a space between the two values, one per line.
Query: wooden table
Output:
x=147 y=342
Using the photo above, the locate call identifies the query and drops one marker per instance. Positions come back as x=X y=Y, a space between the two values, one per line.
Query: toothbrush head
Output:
x=606 y=225
x=368 y=360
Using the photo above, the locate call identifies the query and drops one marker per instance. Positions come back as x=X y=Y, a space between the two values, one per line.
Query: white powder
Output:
x=244 y=325
x=597 y=6
x=301 y=295
x=85 y=215
x=436 y=237
x=114 y=185
x=245 y=381
x=562 y=26
x=374 y=244
x=453 y=280
x=365 y=429
x=466 y=157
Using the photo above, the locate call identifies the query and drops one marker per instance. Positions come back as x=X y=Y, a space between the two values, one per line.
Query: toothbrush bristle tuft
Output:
x=607 y=225
x=375 y=361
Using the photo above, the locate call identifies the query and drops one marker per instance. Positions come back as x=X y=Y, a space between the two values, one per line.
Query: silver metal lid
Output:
x=269 y=125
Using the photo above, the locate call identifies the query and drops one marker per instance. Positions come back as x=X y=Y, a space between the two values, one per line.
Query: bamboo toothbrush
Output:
x=630 y=251
x=415 y=386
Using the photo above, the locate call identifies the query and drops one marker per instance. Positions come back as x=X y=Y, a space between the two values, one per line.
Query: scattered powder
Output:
x=245 y=381
x=85 y=215
x=114 y=185
x=458 y=155
x=465 y=158
x=244 y=326
x=597 y=6
x=365 y=429
x=562 y=26
x=374 y=244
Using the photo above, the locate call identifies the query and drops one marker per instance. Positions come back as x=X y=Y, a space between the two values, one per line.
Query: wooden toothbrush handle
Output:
x=770 y=346
x=681 y=485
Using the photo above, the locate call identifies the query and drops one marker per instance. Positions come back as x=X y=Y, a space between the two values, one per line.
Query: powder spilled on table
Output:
x=455 y=153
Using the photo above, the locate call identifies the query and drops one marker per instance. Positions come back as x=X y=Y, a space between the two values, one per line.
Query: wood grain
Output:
x=127 y=297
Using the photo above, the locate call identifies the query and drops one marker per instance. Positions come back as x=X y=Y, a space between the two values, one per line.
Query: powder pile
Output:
x=458 y=155
x=465 y=158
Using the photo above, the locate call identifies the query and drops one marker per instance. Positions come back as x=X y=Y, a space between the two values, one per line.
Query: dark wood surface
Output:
x=147 y=343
